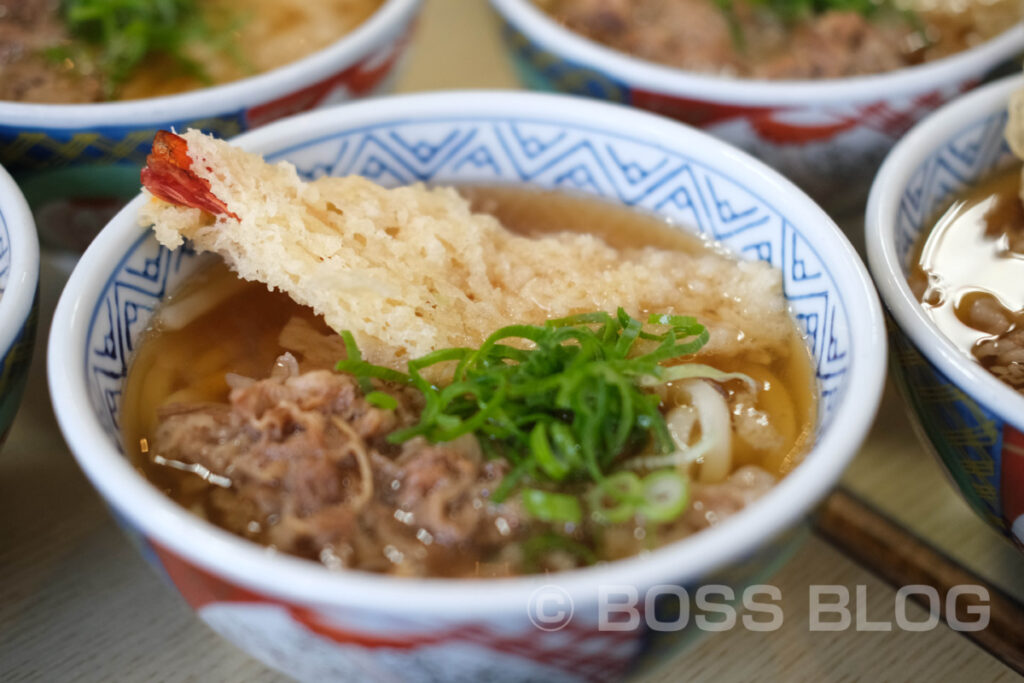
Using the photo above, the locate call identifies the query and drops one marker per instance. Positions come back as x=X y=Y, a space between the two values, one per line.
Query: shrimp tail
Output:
x=168 y=176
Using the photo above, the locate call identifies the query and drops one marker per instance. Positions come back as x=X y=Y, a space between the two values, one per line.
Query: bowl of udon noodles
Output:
x=818 y=90
x=941 y=226
x=85 y=84
x=520 y=348
x=19 y=278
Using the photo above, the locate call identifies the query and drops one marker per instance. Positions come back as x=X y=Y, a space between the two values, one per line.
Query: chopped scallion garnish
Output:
x=615 y=499
x=792 y=11
x=117 y=36
x=666 y=494
x=381 y=400
x=561 y=402
x=552 y=507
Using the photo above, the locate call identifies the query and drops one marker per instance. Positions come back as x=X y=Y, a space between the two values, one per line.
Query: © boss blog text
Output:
x=757 y=608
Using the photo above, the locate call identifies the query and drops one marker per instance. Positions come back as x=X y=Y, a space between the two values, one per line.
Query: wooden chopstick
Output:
x=901 y=558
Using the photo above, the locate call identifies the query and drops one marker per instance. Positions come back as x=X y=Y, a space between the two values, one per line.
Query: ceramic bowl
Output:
x=78 y=163
x=19 y=280
x=312 y=623
x=828 y=136
x=971 y=420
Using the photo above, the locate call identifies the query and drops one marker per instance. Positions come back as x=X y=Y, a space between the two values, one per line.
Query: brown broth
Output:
x=259 y=35
x=968 y=270
x=189 y=364
x=267 y=34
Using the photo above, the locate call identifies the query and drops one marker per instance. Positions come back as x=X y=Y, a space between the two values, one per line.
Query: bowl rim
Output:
x=884 y=263
x=658 y=78
x=218 y=99
x=301 y=581
x=23 y=280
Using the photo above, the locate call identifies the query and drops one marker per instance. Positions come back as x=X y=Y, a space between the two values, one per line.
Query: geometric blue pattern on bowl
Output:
x=5 y=254
x=966 y=435
x=145 y=275
x=543 y=152
x=24 y=149
x=974 y=152
x=14 y=364
x=14 y=359
x=835 y=169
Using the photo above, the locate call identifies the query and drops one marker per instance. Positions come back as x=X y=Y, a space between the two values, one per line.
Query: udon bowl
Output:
x=972 y=421
x=78 y=163
x=828 y=136
x=19 y=283
x=312 y=623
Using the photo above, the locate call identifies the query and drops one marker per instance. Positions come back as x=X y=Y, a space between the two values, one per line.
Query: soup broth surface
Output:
x=233 y=328
x=968 y=273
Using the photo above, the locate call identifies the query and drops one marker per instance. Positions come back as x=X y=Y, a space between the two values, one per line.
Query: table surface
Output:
x=77 y=603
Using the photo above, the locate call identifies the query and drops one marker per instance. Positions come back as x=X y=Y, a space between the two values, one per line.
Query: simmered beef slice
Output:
x=1003 y=355
x=748 y=41
x=311 y=473
x=837 y=45
x=713 y=503
x=1005 y=218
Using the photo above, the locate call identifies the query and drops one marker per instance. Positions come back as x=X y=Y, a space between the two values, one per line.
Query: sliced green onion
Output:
x=552 y=507
x=507 y=484
x=352 y=351
x=116 y=37
x=666 y=494
x=546 y=459
x=353 y=355
x=565 y=401
x=381 y=400
x=363 y=370
x=615 y=499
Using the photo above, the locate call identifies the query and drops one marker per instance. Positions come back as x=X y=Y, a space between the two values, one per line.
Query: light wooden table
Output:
x=77 y=603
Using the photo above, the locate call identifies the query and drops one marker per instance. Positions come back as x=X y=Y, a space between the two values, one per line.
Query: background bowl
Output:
x=970 y=419
x=828 y=136
x=299 y=617
x=19 y=280
x=77 y=163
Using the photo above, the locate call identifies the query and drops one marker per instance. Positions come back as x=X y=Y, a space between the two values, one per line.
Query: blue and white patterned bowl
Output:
x=828 y=135
x=19 y=280
x=312 y=623
x=78 y=161
x=970 y=419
